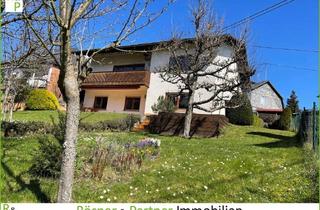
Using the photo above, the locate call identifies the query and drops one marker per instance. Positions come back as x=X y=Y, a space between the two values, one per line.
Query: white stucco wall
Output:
x=158 y=87
x=107 y=61
x=116 y=99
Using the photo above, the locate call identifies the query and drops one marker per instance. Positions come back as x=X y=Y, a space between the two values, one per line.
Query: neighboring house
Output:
x=266 y=101
x=52 y=82
x=39 y=77
x=38 y=81
x=126 y=80
x=47 y=81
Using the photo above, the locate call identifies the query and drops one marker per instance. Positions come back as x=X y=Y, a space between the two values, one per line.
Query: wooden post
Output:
x=314 y=127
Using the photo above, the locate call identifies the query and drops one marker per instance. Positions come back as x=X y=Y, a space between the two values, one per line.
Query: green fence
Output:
x=295 y=122
x=306 y=124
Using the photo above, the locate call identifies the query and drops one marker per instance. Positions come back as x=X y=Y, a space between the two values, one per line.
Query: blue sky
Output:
x=292 y=26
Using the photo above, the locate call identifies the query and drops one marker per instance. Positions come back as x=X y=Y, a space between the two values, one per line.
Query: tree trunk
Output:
x=71 y=95
x=188 y=116
x=5 y=101
x=70 y=138
x=11 y=111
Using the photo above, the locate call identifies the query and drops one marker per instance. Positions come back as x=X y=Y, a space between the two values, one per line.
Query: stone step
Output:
x=137 y=129
x=140 y=126
x=145 y=123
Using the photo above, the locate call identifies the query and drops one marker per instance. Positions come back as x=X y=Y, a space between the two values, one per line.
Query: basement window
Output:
x=131 y=67
x=100 y=102
x=132 y=104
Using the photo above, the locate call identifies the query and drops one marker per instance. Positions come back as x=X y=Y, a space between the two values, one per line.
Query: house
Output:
x=49 y=81
x=125 y=80
x=35 y=76
x=46 y=80
x=266 y=101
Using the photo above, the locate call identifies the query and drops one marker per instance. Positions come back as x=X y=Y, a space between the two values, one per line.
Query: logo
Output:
x=13 y=5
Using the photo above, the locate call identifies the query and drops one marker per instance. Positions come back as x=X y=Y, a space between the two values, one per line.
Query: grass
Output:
x=47 y=116
x=245 y=164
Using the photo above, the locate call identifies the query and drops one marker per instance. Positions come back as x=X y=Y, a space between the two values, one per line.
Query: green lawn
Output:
x=47 y=116
x=245 y=164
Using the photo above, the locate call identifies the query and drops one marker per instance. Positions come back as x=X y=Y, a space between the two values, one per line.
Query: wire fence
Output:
x=306 y=124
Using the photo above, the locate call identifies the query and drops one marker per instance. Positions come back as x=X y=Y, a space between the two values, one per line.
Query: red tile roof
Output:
x=117 y=79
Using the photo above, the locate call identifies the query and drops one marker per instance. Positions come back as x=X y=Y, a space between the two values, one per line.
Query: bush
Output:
x=22 y=94
x=285 y=119
x=124 y=124
x=19 y=128
x=163 y=105
x=48 y=158
x=241 y=115
x=59 y=127
x=40 y=99
x=129 y=121
x=112 y=125
x=257 y=121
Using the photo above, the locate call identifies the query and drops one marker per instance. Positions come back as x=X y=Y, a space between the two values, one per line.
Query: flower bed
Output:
x=120 y=157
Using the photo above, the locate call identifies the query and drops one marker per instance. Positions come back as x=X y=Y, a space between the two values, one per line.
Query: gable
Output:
x=266 y=97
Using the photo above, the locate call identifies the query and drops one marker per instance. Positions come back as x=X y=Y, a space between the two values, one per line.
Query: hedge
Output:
x=285 y=119
x=21 y=128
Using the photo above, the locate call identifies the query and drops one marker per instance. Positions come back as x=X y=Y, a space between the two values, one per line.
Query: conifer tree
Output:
x=293 y=102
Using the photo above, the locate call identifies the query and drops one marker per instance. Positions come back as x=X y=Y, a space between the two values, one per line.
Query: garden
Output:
x=244 y=164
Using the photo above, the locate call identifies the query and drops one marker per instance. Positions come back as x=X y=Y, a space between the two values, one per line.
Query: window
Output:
x=132 y=103
x=173 y=97
x=262 y=100
x=181 y=101
x=82 y=95
x=182 y=61
x=133 y=67
x=100 y=102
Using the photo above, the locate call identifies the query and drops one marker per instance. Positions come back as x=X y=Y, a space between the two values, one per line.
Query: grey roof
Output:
x=151 y=45
x=255 y=85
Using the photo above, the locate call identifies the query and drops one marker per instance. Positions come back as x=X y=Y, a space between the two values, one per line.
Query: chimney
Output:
x=52 y=81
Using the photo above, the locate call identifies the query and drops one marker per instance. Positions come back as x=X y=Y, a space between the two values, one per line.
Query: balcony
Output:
x=117 y=80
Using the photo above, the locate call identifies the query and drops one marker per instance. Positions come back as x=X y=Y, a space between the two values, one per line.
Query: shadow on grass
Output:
x=33 y=186
x=283 y=141
x=85 y=117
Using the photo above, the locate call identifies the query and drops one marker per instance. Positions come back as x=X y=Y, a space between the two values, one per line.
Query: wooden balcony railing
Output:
x=129 y=79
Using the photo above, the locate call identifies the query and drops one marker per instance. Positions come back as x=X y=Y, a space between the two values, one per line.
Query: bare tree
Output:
x=19 y=61
x=53 y=24
x=12 y=84
x=195 y=66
